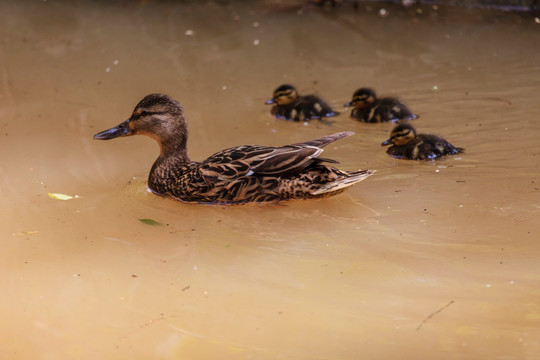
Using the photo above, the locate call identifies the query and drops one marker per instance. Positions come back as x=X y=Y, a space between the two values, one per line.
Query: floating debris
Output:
x=58 y=196
x=26 y=232
x=150 y=222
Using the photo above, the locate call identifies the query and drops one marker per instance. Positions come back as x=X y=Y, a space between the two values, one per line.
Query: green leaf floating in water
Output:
x=150 y=222
x=62 y=196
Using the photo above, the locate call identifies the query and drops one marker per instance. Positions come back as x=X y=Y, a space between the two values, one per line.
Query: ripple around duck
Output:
x=259 y=220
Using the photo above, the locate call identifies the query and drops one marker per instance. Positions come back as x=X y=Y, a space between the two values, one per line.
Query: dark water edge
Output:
x=504 y=5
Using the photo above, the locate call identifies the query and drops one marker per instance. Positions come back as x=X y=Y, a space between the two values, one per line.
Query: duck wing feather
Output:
x=325 y=140
x=248 y=160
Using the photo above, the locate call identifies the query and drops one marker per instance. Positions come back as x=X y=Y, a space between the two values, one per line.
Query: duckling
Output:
x=370 y=109
x=408 y=145
x=247 y=173
x=291 y=106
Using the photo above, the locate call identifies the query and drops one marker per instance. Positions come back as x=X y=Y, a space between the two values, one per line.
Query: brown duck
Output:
x=247 y=173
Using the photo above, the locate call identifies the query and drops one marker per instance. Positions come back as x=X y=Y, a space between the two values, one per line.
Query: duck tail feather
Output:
x=345 y=182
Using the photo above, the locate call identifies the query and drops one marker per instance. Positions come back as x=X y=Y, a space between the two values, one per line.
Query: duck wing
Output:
x=325 y=140
x=248 y=160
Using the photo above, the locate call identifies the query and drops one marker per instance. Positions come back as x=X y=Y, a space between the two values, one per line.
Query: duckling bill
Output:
x=406 y=144
x=242 y=174
x=370 y=109
x=289 y=105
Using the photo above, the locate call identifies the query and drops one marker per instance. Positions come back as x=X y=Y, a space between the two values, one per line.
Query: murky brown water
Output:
x=424 y=260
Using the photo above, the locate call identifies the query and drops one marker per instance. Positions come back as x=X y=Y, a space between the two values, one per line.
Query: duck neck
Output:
x=172 y=162
x=171 y=148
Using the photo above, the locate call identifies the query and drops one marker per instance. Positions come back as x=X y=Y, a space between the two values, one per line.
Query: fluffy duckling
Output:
x=408 y=145
x=248 y=173
x=370 y=109
x=291 y=106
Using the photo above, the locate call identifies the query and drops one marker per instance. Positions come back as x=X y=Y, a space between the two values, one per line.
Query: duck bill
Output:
x=270 y=102
x=350 y=103
x=122 y=129
x=386 y=142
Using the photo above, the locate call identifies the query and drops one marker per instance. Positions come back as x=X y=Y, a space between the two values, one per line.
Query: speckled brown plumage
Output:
x=409 y=145
x=247 y=173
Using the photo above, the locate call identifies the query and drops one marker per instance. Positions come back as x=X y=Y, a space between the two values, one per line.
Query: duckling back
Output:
x=289 y=105
x=370 y=109
x=408 y=145
x=383 y=110
x=424 y=147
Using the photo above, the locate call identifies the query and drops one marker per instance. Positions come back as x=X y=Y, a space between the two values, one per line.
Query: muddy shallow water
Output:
x=423 y=260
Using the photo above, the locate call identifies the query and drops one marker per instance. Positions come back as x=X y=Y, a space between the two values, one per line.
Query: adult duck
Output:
x=247 y=173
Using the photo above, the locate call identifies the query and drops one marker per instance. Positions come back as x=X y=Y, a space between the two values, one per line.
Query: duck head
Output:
x=157 y=116
x=283 y=95
x=362 y=98
x=400 y=135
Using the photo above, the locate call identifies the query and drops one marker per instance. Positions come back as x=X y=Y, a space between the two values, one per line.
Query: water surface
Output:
x=430 y=260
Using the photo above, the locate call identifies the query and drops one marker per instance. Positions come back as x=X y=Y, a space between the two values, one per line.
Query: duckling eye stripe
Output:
x=284 y=93
x=137 y=115
x=402 y=134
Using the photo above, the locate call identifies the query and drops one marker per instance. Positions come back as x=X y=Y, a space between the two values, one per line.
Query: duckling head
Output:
x=362 y=98
x=283 y=95
x=157 y=116
x=400 y=135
